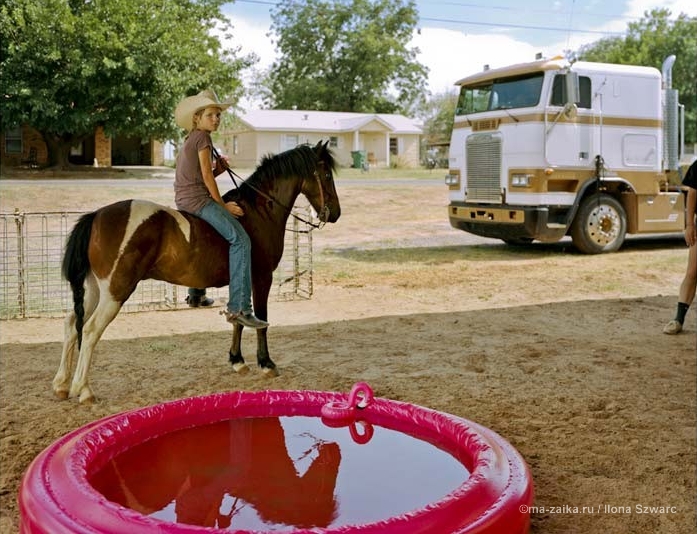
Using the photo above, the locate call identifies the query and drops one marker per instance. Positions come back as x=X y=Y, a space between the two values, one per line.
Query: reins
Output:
x=271 y=198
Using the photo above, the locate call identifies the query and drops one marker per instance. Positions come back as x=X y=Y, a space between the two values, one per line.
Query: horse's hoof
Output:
x=89 y=399
x=240 y=368
x=61 y=394
x=270 y=372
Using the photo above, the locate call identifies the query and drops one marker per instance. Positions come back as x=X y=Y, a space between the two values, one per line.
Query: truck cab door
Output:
x=568 y=123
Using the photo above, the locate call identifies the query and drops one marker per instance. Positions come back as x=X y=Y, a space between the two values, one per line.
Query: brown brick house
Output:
x=24 y=146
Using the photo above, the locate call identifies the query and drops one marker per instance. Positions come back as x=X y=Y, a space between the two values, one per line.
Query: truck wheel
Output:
x=600 y=225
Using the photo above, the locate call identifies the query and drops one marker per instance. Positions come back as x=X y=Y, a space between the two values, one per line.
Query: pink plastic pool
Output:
x=278 y=461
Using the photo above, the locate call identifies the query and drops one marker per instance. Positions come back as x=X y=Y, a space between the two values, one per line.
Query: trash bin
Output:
x=359 y=159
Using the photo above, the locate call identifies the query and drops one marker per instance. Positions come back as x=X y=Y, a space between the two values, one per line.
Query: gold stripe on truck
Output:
x=493 y=124
x=569 y=180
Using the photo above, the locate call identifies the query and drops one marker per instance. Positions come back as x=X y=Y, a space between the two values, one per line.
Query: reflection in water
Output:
x=278 y=474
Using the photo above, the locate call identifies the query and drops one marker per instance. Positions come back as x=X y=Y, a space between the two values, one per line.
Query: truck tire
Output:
x=600 y=225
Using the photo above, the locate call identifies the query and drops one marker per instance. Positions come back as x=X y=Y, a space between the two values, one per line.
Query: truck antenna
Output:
x=571 y=19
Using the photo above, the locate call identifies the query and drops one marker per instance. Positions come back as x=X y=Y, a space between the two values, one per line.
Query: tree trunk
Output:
x=59 y=150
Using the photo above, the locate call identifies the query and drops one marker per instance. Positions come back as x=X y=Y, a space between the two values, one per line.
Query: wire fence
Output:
x=31 y=252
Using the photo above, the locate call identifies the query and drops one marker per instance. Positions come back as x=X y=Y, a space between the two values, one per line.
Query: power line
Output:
x=519 y=10
x=517 y=26
x=477 y=23
x=261 y=2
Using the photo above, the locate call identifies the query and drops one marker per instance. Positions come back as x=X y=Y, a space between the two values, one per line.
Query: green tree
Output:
x=648 y=42
x=346 y=56
x=69 y=66
x=438 y=114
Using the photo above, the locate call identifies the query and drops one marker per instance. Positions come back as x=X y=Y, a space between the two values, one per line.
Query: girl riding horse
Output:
x=110 y=250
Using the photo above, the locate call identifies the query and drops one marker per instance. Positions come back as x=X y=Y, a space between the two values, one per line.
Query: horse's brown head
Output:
x=321 y=191
x=280 y=178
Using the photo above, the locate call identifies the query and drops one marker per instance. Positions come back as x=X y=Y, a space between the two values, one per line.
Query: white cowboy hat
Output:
x=187 y=108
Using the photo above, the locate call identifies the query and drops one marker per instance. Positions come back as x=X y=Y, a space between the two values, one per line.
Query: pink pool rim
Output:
x=56 y=498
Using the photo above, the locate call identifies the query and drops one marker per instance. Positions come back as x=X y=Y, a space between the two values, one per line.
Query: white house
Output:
x=388 y=140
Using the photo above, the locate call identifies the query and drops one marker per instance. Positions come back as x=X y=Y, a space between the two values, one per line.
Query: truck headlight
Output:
x=452 y=179
x=521 y=180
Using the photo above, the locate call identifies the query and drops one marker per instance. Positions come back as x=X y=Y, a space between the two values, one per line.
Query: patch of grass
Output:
x=342 y=275
x=158 y=345
x=387 y=174
x=440 y=255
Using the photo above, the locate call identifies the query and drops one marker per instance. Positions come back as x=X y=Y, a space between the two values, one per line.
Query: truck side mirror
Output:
x=573 y=93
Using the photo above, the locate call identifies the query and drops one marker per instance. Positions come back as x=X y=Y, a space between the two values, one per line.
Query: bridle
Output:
x=323 y=212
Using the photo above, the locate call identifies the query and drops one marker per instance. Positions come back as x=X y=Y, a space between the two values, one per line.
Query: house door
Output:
x=130 y=151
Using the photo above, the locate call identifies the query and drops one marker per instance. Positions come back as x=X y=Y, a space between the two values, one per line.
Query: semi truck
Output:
x=558 y=147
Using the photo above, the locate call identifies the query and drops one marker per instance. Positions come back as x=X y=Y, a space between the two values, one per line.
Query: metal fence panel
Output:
x=31 y=252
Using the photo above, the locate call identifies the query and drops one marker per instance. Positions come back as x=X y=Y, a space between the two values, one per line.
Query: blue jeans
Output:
x=240 y=288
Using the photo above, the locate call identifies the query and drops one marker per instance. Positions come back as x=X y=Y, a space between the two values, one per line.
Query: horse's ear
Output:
x=318 y=146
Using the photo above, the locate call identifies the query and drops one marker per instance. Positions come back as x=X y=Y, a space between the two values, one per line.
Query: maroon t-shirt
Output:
x=190 y=192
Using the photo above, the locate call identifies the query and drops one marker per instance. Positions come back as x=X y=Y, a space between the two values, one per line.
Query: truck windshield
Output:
x=504 y=93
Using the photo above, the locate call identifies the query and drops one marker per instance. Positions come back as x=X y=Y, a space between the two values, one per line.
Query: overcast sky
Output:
x=458 y=37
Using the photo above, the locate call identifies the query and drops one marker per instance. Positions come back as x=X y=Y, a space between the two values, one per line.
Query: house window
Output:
x=13 y=141
x=393 y=146
x=333 y=141
x=235 y=145
x=289 y=141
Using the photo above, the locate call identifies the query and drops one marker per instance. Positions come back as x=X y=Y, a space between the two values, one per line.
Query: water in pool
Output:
x=278 y=474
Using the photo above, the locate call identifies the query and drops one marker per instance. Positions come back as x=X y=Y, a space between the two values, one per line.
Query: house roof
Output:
x=327 y=121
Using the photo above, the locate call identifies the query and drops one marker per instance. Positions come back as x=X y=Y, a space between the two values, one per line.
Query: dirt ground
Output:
x=553 y=350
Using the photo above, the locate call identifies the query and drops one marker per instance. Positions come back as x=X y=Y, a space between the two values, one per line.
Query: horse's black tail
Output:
x=76 y=265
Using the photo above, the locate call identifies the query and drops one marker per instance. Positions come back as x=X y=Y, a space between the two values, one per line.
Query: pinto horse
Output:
x=112 y=249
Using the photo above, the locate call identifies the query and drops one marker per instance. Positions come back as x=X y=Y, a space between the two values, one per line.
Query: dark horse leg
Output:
x=262 y=286
x=236 y=359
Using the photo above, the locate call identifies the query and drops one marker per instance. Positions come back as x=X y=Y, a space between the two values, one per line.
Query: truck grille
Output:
x=484 y=167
